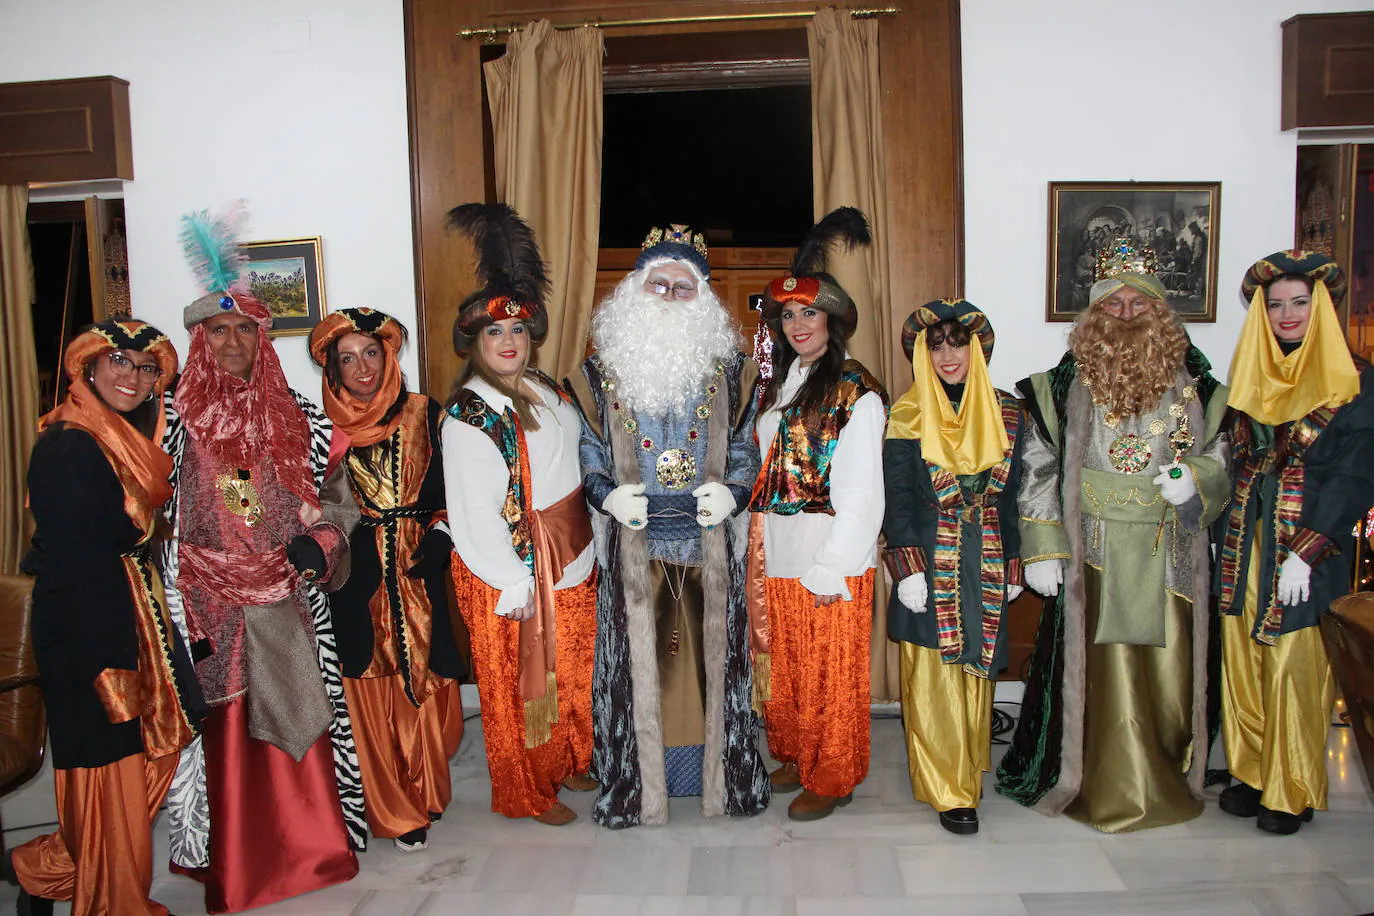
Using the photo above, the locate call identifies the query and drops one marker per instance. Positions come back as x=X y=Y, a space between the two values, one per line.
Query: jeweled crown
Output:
x=676 y=234
x=1122 y=256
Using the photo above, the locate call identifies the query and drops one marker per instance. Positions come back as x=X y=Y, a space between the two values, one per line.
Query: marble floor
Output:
x=884 y=854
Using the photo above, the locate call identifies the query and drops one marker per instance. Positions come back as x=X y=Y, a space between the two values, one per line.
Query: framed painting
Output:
x=1177 y=220
x=287 y=276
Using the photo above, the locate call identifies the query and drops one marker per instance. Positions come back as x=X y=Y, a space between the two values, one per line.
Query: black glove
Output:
x=432 y=554
x=307 y=556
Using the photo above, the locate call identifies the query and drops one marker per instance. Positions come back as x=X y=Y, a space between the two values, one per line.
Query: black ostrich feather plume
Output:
x=845 y=224
x=508 y=259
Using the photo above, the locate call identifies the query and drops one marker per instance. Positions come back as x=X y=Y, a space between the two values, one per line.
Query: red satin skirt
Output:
x=101 y=857
x=525 y=781
x=276 y=828
x=818 y=715
x=403 y=751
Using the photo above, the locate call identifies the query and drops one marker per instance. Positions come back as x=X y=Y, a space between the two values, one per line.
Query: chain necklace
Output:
x=675 y=468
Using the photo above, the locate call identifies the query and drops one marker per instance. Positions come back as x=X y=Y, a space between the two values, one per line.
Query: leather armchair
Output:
x=22 y=720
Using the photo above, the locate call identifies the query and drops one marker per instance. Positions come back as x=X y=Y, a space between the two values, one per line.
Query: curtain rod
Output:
x=490 y=34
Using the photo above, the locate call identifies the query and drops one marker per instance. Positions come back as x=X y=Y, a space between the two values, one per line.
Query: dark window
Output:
x=733 y=163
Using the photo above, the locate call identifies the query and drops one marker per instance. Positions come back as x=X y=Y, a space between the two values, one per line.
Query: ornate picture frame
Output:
x=287 y=276
x=1180 y=216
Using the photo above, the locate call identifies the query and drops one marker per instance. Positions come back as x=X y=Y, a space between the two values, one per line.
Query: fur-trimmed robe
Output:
x=1043 y=767
x=628 y=753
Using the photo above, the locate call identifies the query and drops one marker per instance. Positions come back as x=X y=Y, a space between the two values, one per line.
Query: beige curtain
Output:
x=847 y=170
x=545 y=97
x=18 y=375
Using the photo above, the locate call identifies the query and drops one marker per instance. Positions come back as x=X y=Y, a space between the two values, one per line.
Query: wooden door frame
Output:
x=923 y=145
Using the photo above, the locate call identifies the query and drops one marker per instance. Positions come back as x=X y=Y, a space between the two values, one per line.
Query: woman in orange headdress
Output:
x=523 y=571
x=400 y=662
x=120 y=693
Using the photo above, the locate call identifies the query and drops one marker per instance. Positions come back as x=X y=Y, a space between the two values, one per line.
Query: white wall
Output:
x=1086 y=90
x=298 y=106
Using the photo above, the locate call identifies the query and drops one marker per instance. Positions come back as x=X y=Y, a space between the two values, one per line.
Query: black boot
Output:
x=1241 y=800
x=1281 y=822
x=963 y=821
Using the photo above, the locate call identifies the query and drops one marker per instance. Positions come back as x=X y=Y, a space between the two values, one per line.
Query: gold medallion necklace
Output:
x=675 y=468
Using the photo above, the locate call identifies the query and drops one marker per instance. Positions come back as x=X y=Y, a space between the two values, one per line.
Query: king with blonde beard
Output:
x=1125 y=469
x=669 y=464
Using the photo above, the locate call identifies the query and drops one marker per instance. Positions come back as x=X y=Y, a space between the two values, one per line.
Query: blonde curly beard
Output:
x=1128 y=365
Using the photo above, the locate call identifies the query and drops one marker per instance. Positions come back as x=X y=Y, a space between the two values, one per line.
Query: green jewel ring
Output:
x=1175 y=473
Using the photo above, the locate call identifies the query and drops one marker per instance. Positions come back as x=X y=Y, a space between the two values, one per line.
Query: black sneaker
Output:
x=962 y=821
x=1241 y=800
x=1281 y=822
x=414 y=841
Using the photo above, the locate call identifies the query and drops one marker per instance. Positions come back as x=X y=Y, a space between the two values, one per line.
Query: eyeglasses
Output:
x=121 y=363
x=684 y=291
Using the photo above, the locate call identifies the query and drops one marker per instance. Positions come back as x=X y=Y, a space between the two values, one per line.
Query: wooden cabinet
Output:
x=65 y=130
x=1328 y=70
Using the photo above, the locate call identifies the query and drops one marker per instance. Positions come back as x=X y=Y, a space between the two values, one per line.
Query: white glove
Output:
x=1295 y=579
x=1014 y=592
x=913 y=592
x=823 y=582
x=1045 y=576
x=715 y=502
x=628 y=505
x=1176 y=490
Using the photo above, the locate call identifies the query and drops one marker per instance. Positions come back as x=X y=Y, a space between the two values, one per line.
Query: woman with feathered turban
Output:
x=391 y=617
x=121 y=697
x=952 y=466
x=818 y=506
x=523 y=574
x=1302 y=439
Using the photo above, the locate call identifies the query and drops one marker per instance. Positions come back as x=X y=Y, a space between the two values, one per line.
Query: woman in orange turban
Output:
x=121 y=697
x=400 y=662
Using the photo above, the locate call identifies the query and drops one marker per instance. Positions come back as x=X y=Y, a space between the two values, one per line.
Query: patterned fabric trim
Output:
x=1015 y=573
x=795 y=476
x=1290 y=447
x=1312 y=546
x=504 y=431
x=904 y=561
x=956 y=508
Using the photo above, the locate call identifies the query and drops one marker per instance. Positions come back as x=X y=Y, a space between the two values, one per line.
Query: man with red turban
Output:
x=268 y=804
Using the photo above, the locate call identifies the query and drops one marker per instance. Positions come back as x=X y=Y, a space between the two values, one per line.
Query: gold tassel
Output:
x=763 y=681
x=541 y=714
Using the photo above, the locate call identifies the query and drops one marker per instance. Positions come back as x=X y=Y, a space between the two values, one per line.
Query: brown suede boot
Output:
x=557 y=816
x=580 y=782
x=785 y=778
x=812 y=806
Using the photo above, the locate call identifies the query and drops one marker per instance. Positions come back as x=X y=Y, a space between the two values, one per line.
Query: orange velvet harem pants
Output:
x=817 y=716
x=525 y=781
x=101 y=857
x=403 y=751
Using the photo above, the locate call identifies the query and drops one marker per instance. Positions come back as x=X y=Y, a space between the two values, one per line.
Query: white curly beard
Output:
x=661 y=352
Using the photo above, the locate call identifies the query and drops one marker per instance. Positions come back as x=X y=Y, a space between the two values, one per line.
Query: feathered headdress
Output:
x=510 y=269
x=810 y=285
x=212 y=249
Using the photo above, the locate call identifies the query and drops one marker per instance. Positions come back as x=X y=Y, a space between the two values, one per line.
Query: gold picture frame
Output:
x=287 y=276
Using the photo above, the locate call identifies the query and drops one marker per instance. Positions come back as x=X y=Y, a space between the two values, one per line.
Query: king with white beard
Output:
x=669 y=463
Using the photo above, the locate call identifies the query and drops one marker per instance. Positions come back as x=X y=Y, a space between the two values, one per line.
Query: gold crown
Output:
x=1122 y=257
x=677 y=234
